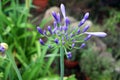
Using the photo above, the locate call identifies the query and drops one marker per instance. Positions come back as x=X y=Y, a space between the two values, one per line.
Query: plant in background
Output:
x=66 y=37
x=96 y=66
x=16 y=29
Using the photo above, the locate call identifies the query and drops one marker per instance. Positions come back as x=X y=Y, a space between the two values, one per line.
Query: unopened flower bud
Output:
x=81 y=22
x=86 y=16
x=56 y=40
x=82 y=45
x=2 y=49
x=85 y=28
x=73 y=45
x=67 y=21
x=39 y=30
x=69 y=55
x=41 y=42
x=78 y=32
x=88 y=37
x=98 y=34
x=49 y=29
x=62 y=7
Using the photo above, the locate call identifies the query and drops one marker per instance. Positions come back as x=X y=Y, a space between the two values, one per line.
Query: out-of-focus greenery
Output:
x=25 y=56
x=96 y=67
x=112 y=26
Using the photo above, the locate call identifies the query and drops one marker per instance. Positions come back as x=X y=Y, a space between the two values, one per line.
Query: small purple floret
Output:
x=73 y=45
x=55 y=16
x=44 y=32
x=81 y=22
x=39 y=30
x=62 y=7
x=78 y=32
x=2 y=49
x=98 y=34
x=55 y=24
x=41 y=41
x=88 y=37
x=84 y=19
x=55 y=30
x=58 y=17
x=65 y=28
x=85 y=28
x=86 y=16
x=67 y=21
x=82 y=45
x=49 y=29
x=56 y=40
x=69 y=55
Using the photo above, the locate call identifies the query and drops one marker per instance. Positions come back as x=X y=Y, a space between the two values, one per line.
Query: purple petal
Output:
x=98 y=34
x=62 y=7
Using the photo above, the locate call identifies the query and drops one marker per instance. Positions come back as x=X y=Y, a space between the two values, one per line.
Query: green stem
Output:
x=61 y=63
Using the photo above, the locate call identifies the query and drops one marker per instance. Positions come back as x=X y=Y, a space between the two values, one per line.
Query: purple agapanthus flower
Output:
x=66 y=35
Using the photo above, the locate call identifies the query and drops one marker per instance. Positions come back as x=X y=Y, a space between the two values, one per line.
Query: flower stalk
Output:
x=61 y=63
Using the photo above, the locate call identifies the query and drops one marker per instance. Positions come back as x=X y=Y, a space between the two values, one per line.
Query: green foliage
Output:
x=111 y=25
x=96 y=67
x=25 y=56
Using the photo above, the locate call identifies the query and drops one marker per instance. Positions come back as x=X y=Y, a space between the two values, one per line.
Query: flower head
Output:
x=65 y=35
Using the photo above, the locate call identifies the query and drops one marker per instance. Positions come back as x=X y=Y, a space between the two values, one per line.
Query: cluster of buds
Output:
x=66 y=36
